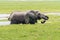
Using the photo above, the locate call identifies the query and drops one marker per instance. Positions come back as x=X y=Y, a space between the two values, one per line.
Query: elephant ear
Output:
x=37 y=12
x=31 y=12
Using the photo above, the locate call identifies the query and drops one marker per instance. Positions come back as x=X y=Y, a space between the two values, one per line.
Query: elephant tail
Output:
x=11 y=15
x=9 y=18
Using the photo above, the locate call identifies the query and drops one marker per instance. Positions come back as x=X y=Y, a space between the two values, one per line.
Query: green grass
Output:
x=45 y=6
x=48 y=31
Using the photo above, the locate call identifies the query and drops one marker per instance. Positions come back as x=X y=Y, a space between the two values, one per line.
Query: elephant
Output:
x=27 y=17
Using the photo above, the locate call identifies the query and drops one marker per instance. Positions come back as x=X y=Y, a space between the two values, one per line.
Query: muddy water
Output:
x=5 y=16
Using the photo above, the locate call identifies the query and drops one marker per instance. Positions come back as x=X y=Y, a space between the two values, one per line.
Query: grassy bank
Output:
x=48 y=31
x=7 y=7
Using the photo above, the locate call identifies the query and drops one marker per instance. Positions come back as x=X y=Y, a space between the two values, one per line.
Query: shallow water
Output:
x=5 y=23
x=4 y=15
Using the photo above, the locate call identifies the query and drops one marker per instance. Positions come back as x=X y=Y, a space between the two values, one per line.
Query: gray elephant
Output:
x=27 y=17
x=23 y=17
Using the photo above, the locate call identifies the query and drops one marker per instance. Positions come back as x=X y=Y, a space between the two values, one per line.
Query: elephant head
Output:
x=41 y=16
x=44 y=17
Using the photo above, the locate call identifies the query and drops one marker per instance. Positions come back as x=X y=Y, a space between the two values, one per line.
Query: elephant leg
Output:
x=14 y=22
x=32 y=21
x=23 y=22
x=27 y=20
x=36 y=20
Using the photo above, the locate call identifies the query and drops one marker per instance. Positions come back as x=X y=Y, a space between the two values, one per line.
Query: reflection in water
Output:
x=5 y=23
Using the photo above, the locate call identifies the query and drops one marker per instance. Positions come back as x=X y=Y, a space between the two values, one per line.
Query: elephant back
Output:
x=16 y=14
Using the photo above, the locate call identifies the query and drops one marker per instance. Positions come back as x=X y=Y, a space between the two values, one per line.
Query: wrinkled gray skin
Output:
x=22 y=17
